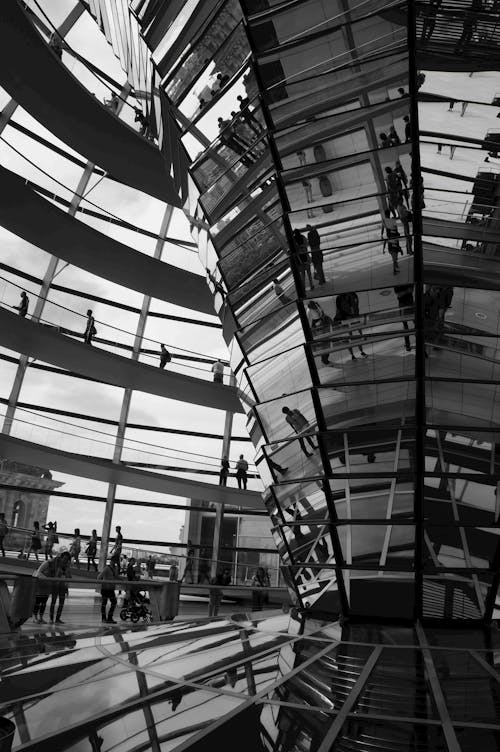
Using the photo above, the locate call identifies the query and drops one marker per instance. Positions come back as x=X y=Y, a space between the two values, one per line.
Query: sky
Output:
x=28 y=158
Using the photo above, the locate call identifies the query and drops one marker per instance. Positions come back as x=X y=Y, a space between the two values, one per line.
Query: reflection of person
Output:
x=280 y=293
x=318 y=318
x=260 y=581
x=303 y=260
x=274 y=465
x=299 y=423
x=405 y=300
x=469 y=25
x=51 y=569
x=314 y=240
x=347 y=305
x=391 y=229
x=429 y=19
x=222 y=578
x=405 y=217
x=188 y=569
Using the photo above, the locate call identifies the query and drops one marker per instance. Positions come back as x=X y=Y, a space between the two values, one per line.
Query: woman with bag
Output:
x=391 y=230
x=91 y=551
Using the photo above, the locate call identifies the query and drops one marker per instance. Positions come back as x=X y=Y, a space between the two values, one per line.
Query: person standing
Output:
x=399 y=169
x=165 y=356
x=224 y=471
x=75 y=547
x=218 y=371
x=50 y=539
x=318 y=318
x=108 y=574
x=314 y=240
x=90 y=330
x=4 y=529
x=150 y=567
x=241 y=472
x=91 y=551
x=299 y=423
x=303 y=260
x=36 y=541
x=390 y=226
x=221 y=579
x=116 y=551
x=407 y=123
x=59 y=590
x=23 y=305
x=405 y=300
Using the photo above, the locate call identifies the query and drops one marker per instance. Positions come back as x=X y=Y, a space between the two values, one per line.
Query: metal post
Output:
x=122 y=424
x=219 y=515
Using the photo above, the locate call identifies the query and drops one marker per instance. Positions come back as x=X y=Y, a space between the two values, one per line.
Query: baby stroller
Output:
x=135 y=607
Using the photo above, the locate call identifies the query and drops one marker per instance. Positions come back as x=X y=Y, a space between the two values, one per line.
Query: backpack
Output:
x=93 y=330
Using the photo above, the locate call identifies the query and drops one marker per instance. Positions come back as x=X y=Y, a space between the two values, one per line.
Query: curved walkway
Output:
x=108 y=472
x=45 y=343
x=450 y=266
x=79 y=244
x=34 y=76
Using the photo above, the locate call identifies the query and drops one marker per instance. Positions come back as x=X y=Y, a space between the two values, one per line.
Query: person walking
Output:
x=221 y=579
x=347 y=307
x=116 y=551
x=404 y=294
x=218 y=371
x=4 y=529
x=91 y=551
x=318 y=318
x=390 y=226
x=165 y=356
x=36 y=541
x=75 y=547
x=224 y=471
x=60 y=565
x=280 y=293
x=406 y=217
x=90 y=330
x=50 y=539
x=23 y=305
x=299 y=423
x=314 y=240
x=429 y=13
x=393 y=184
x=241 y=472
x=108 y=574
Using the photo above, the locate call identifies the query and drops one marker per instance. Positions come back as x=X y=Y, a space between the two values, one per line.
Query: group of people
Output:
x=240 y=132
x=304 y=257
x=241 y=468
x=347 y=307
